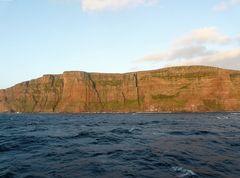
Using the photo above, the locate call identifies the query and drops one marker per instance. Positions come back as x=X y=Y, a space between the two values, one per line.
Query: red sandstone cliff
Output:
x=195 y=88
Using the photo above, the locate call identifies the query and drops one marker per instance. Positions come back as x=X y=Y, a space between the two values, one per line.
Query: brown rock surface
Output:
x=177 y=89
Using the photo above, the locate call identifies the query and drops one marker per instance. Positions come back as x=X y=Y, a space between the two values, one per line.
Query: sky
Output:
x=114 y=36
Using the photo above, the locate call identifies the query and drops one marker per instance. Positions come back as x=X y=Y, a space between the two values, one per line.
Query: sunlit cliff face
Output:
x=195 y=88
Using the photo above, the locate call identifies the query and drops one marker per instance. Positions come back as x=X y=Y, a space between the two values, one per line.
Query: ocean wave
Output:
x=189 y=133
x=121 y=131
x=4 y=148
x=182 y=172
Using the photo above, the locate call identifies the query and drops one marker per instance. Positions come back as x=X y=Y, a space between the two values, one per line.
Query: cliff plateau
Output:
x=176 y=89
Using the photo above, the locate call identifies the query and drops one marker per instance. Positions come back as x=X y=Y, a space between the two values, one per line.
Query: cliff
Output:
x=177 y=89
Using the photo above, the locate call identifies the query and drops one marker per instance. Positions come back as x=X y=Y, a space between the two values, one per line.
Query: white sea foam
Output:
x=133 y=129
x=223 y=117
x=182 y=172
x=235 y=113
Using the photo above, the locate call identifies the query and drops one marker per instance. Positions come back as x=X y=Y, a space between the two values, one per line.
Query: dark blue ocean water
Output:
x=120 y=145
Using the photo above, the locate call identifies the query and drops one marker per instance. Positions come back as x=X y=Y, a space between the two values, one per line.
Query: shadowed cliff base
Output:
x=175 y=89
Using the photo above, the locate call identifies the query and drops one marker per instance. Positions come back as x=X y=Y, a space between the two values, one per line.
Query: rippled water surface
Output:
x=120 y=145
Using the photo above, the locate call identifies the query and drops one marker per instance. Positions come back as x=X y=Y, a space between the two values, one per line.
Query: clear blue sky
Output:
x=51 y=36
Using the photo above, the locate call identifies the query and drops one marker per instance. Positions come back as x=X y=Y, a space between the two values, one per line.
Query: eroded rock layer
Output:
x=177 y=89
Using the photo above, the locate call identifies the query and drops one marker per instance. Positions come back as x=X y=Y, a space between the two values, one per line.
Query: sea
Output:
x=144 y=145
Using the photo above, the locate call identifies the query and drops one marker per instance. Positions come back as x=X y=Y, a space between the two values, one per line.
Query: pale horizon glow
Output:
x=115 y=36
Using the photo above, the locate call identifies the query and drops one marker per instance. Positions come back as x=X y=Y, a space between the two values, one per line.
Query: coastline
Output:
x=207 y=112
x=168 y=90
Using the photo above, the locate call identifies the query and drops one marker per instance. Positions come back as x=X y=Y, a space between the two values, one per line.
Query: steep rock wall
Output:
x=191 y=89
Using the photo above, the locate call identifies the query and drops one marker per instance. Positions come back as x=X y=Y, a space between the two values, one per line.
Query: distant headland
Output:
x=174 y=89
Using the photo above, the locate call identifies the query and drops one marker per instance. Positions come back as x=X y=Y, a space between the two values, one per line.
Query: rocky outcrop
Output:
x=177 y=89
